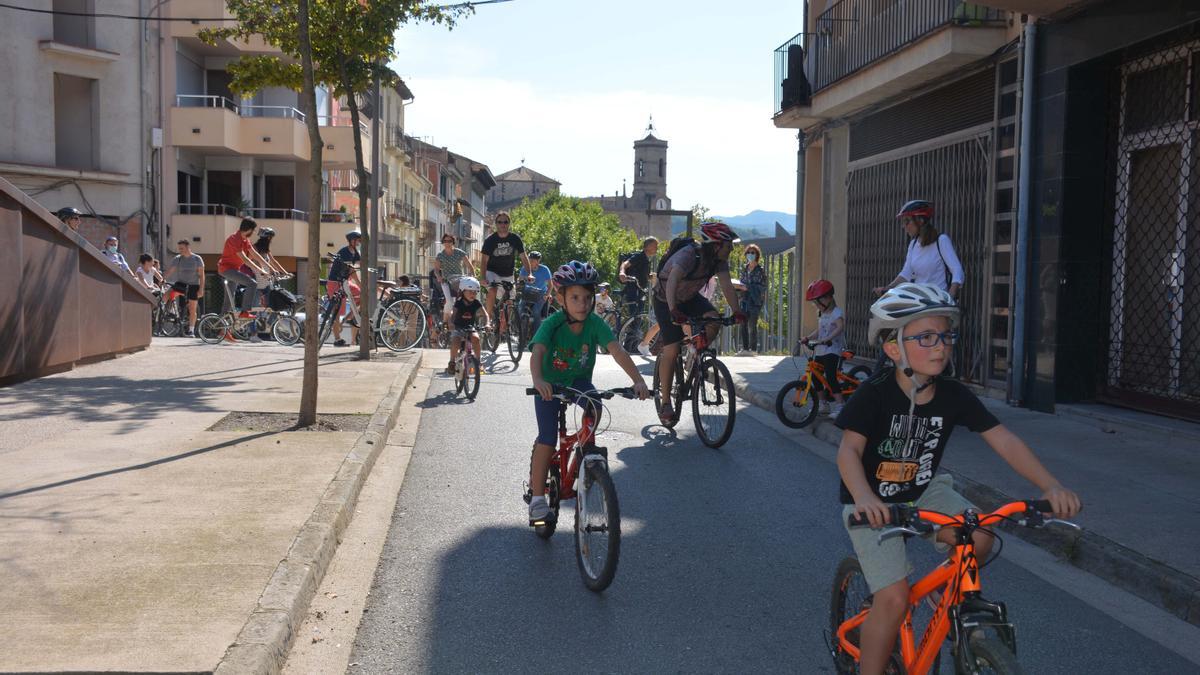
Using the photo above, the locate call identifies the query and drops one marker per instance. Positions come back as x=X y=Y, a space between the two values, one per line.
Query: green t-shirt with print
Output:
x=570 y=357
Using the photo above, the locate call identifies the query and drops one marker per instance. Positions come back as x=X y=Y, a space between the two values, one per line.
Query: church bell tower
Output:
x=650 y=172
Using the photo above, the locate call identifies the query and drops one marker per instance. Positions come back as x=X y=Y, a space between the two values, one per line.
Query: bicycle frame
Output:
x=567 y=456
x=815 y=371
x=959 y=578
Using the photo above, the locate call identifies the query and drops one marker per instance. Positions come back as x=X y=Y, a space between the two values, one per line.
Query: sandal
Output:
x=666 y=414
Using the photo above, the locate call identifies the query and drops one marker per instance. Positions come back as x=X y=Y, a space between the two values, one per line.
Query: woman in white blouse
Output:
x=931 y=257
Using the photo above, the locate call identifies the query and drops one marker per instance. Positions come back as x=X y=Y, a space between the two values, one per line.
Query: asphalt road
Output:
x=727 y=559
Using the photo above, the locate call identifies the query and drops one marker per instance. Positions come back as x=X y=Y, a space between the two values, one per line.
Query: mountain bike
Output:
x=701 y=377
x=169 y=316
x=399 y=325
x=579 y=471
x=982 y=639
x=504 y=323
x=466 y=370
x=528 y=297
x=798 y=401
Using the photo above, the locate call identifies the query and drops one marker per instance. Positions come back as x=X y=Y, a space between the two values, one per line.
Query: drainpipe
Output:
x=798 y=257
x=1016 y=391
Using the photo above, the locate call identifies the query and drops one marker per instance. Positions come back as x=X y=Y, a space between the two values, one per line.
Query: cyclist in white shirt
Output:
x=931 y=257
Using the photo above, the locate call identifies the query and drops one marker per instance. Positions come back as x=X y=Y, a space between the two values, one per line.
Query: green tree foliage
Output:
x=567 y=228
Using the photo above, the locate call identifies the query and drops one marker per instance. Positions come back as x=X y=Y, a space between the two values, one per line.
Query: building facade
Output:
x=948 y=102
x=79 y=128
x=647 y=211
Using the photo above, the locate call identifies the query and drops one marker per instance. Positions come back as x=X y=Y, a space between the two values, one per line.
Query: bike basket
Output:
x=532 y=295
x=281 y=299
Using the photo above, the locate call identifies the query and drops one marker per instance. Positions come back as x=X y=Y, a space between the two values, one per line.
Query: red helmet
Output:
x=716 y=231
x=818 y=289
x=916 y=207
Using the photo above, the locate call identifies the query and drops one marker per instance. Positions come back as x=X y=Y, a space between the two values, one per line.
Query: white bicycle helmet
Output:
x=468 y=284
x=906 y=303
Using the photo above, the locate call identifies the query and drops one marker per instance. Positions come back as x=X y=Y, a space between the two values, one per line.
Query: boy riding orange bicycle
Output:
x=895 y=429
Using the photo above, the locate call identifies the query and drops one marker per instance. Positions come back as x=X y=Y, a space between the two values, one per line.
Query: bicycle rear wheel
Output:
x=850 y=596
x=516 y=342
x=793 y=407
x=211 y=328
x=597 y=527
x=714 y=405
x=286 y=330
x=402 y=325
x=470 y=376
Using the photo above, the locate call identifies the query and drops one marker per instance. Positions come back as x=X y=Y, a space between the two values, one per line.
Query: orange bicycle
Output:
x=982 y=640
x=797 y=402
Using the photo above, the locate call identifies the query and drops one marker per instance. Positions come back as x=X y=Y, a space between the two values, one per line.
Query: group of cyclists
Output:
x=894 y=428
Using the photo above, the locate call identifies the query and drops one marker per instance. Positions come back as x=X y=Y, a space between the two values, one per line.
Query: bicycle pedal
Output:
x=595 y=450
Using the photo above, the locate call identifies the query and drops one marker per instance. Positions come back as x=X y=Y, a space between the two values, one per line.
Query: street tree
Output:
x=566 y=228
x=322 y=42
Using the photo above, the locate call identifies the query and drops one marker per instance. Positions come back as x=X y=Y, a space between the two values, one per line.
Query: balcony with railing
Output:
x=863 y=51
x=207 y=226
x=188 y=31
x=217 y=125
x=404 y=211
x=338 y=134
x=394 y=138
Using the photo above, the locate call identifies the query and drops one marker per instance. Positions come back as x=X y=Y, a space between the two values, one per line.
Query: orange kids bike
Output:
x=797 y=402
x=982 y=640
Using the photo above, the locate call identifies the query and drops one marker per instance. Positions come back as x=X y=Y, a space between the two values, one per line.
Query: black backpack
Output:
x=698 y=272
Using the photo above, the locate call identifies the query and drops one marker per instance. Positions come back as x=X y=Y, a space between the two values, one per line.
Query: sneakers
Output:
x=644 y=349
x=823 y=409
x=745 y=352
x=339 y=343
x=539 y=509
x=451 y=368
x=229 y=338
x=666 y=414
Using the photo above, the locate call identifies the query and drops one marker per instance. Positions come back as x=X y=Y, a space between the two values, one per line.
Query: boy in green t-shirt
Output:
x=564 y=354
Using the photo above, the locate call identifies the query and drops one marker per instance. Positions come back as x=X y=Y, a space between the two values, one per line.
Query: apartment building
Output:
x=471 y=199
x=1055 y=139
x=78 y=125
x=399 y=229
x=229 y=156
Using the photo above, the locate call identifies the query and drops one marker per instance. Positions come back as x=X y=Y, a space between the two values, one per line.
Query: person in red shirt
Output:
x=238 y=251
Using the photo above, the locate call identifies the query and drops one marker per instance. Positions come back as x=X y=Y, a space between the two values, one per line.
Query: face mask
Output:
x=111 y=249
x=751 y=257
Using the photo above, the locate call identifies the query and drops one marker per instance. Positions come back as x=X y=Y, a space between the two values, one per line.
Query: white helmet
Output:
x=906 y=303
x=468 y=284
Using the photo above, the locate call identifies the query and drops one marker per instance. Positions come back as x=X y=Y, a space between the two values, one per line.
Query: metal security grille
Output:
x=1154 y=316
x=955 y=178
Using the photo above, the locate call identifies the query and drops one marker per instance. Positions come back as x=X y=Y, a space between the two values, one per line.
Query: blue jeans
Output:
x=547 y=413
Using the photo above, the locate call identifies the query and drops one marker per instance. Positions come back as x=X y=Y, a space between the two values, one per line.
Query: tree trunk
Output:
x=365 y=333
x=308 y=105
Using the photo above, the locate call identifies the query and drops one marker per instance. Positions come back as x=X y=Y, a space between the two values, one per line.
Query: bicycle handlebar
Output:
x=919 y=521
x=723 y=320
x=565 y=393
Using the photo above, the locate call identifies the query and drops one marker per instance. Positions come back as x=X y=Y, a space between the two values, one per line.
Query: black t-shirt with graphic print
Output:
x=502 y=253
x=903 y=453
x=464 y=313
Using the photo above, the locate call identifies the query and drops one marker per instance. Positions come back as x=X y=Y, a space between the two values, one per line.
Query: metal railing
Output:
x=208 y=210
x=276 y=214
x=342 y=121
x=395 y=137
x=854 y=34
x=405 y=211
x=205 y=101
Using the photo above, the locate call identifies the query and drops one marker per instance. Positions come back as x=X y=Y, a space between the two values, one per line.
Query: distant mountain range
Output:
x=758 y=224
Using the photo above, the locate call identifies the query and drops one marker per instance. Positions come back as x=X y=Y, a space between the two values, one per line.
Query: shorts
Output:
x=831 y=363
x=192 y=291
x=547 y=414
x=450 y=288
x=695 y=307
x=490 y=277
x=463 y=333
x=332 y=287
x=884 y=563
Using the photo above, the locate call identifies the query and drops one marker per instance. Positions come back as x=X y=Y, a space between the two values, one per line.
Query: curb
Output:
x=1161 y=585
x=262 y=645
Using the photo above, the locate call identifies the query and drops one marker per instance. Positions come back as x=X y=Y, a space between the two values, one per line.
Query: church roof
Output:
x=524 y=174
x=651 y=139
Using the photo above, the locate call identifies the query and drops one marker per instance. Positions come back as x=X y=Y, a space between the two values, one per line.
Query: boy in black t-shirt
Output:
x=895 y=429
x=462 y=318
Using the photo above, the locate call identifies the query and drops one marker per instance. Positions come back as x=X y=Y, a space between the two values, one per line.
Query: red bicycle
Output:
x=597 y=512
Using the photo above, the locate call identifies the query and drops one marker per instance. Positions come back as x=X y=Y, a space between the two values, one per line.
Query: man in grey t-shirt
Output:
x=186 y=274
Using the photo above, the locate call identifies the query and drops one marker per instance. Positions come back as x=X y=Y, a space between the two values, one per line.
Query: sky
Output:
x=569 y=85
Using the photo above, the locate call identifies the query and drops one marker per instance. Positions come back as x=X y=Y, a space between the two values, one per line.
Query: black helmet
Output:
x=535 y=254
x=266 y=233
x=353 y=234
x=68 y=212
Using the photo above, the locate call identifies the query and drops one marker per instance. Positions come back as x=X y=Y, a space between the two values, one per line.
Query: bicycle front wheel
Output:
x=632 y=332
x=989 y=655
x=402 y=325
x=597 y=528
x=471 y=376
x=850 y=596
x=516 y=343
x=211 y=328
x=714 y=406
x=286 y=330
x=795 y=407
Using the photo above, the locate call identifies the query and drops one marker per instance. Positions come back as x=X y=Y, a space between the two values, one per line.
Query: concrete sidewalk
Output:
x=1136 y=473
x=136 y=539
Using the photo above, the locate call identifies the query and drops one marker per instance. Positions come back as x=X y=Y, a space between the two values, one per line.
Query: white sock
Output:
x=537 y=498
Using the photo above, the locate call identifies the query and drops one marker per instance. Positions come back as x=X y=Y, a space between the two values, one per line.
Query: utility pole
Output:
x=796 y=308
x=366 y=335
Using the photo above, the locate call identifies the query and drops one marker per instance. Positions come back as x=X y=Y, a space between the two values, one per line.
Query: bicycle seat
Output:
x=847 y=354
